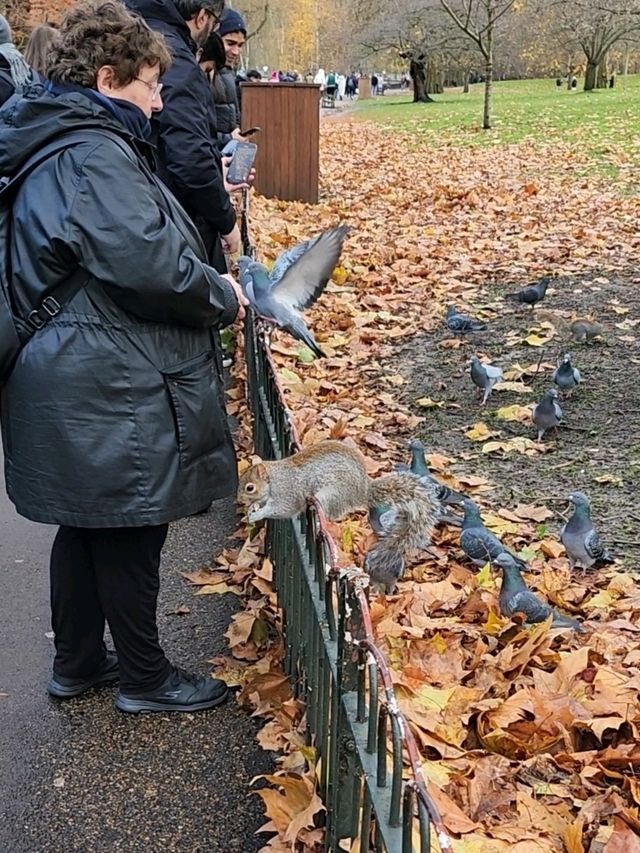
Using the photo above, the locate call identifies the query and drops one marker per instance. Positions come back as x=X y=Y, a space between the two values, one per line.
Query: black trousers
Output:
x=112 y=574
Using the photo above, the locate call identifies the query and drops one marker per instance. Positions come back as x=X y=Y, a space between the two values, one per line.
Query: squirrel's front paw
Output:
x=254 y=514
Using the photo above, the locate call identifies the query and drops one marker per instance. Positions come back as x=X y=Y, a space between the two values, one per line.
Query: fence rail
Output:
x=361 y=737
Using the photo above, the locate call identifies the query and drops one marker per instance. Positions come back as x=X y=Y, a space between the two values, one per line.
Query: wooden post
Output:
x=287 y=164
x=364 y=88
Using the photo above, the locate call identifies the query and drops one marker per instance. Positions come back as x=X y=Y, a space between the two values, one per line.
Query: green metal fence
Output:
x=363 y=742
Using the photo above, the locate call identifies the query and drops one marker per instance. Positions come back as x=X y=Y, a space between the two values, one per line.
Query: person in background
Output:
x=233 y=32
x=113 y=417
x=253 y=75
x=374 y=84
x=38 y=48
x=15 y=73
x=342 y=86
x=332 y=84
x=351 y=86
x=211 y=56
x=183 y=131
x=320 y=79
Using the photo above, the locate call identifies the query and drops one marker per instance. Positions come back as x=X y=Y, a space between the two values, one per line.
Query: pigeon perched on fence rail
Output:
x=296 y=281
x=580 y=538
x=516 y=597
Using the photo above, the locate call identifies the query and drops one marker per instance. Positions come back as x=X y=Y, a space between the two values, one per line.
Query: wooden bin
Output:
x=364 y=88
x=287 y=164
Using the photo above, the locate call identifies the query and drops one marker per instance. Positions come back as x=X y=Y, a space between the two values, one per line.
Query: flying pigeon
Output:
x=532 y=294
x=296 y=281
x=457 y=322
x=478 y=543
x=516 y=597
x=547 y=413
x=565 y=375
x=580 y=538
x=485 y=376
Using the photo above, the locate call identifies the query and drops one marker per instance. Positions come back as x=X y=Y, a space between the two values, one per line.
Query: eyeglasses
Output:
x=154 y=88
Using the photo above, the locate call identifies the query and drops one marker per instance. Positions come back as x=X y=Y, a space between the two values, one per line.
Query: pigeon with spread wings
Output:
x=296 y=281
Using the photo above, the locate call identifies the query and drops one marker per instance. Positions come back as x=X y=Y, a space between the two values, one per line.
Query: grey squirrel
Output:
x=581 y=329
x=335 y=475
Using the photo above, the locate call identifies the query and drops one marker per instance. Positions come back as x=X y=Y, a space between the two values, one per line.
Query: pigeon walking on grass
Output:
x=516 y=597
x=458 y=323
x=484 y=376
x=580 y=538
x=478 y=543
x=547 y=414
x=532 y=294
x=296 y=281
x=566 y=376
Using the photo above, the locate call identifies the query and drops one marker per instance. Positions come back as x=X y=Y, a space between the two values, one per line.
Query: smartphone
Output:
x=250 y=131
x=242 y=162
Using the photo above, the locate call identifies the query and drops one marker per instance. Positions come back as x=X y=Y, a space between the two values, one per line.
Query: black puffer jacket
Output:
x=225 y=96
x=183 y=131
x=114 y=414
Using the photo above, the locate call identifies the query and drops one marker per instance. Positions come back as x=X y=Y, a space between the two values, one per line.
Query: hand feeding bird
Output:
x=484 y=376
x=547 y=414
x=532 y=293
x=457 y=322
x=566 y=376
x=478 y=543
x=297 y=279
x=516 y=597
x=580 y=538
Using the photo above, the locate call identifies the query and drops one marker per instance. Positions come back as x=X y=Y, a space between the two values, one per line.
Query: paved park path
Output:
x=81 y=777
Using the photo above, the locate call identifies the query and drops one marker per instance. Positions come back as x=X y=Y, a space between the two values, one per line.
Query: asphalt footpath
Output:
x=80 y=776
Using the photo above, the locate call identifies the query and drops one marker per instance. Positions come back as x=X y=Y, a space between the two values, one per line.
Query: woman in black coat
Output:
x=113 y=418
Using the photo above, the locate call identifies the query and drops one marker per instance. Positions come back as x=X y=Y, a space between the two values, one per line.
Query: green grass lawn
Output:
x=605 y=121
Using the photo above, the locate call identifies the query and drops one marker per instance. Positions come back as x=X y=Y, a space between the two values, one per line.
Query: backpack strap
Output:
x=52 y=305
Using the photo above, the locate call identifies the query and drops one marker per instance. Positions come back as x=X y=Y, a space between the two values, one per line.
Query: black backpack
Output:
x=16 y=330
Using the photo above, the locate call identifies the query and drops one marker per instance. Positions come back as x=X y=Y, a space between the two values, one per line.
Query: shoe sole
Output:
x=59 y=691
x=144 y=706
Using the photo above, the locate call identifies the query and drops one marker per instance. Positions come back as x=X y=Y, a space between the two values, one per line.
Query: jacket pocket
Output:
x=197 y=406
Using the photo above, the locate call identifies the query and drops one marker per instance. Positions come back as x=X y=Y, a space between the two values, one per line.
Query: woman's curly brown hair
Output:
x=103 y=32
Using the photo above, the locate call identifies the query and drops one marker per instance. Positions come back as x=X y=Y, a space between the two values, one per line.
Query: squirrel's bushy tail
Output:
x=417 y=510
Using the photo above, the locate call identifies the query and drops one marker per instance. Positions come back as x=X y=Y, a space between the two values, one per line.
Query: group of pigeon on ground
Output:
x=297 y=279
x=547 y=414
x=579 y=537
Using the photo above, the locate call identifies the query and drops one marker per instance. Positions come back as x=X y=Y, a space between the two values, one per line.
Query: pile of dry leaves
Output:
x=529 y=736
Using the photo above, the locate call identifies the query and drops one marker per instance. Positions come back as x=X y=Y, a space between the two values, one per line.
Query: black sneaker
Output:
x=67 y=688
x=181 y=691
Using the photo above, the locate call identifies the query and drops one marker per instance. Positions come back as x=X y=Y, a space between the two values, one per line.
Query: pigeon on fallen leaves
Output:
x=580 y=538
x=566 y=376
x=478 y=543
x=516 y=597
x=457 y=322
x=419 y=468
x=384 y=567
x=547 y=414
x=532 y=294
x=484 y=376
x=296 y=281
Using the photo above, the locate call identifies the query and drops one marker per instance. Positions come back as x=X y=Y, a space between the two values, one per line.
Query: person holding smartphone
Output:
x=232 y=29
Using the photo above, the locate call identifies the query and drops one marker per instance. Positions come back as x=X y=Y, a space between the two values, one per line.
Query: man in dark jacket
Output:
x=113 y=418
x=183 y=131
x=233 y=32
x=15 y=74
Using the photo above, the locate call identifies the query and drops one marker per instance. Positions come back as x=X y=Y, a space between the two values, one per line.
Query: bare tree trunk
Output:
x=466 y=82
x=591 y=75
x=603 y=74
x=418 y=73
x=488 y=82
